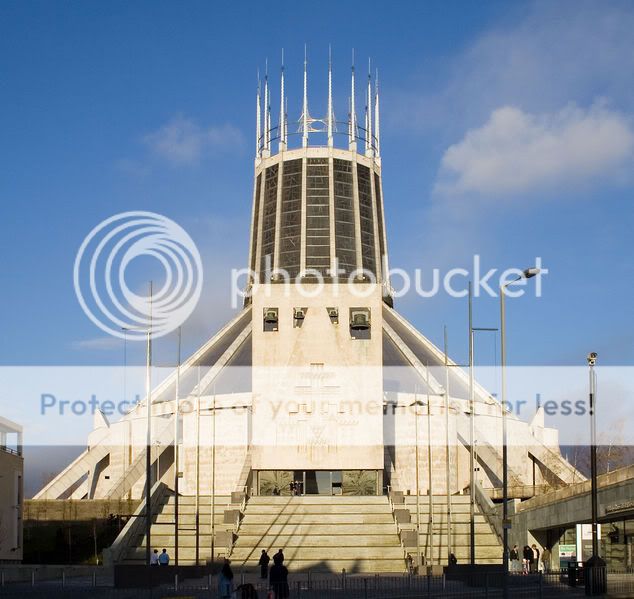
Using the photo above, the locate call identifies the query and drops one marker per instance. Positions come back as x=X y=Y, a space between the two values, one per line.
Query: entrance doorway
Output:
x=318 y=482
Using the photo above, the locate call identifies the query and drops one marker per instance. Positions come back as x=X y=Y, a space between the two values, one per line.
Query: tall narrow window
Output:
x=344 y=217
x=291 y=218
x=367 y=219
x=268 y=221
x=256 y=223
x=317 y=216
x=379 y=216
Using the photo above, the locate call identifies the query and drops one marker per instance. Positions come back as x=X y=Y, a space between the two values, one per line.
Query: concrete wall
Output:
x=317 y=392
x=63 y=510
x=11 y=499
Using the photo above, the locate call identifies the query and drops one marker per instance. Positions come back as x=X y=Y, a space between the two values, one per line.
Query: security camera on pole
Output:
x=596 y=578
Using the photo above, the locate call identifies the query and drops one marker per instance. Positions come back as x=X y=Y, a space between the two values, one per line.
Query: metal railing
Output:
x=94 y=584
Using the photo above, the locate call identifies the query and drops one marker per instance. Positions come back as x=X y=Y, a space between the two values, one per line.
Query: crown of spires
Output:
x=369 y=134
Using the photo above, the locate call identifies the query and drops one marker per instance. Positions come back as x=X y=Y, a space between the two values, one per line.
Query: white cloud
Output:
x=515 y=152
x=540 y=57
x=181 y=141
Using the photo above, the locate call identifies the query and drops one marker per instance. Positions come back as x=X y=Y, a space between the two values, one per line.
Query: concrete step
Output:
x=273 y=541
x=306 y=552
x=247 y=528
x=202 y=499
x=318 y=499
x=203 y=508
x=164 y=518
x=320 y=508
x=462 y=528
x=289 y=518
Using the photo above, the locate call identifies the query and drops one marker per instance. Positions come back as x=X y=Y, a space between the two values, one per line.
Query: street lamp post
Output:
x=596 y=583
x=526 y=274
x=471 y=436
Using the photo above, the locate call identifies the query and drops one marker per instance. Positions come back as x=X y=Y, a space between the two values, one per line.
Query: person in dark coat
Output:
x=278 y=577
x=225 y=580
x=528 y=559
x=264 y=564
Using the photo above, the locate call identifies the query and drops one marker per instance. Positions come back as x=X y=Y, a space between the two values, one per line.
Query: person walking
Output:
x=278 y=577
x=546 y=560
x=264 y=564
x=515 y=559
x=225 y=581
x=535 y=562
x=527 y=556
x=409 y=560
x=164 y=558
x=154 y=558
x=279 y=555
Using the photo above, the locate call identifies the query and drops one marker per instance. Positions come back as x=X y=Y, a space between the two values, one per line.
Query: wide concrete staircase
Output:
x=162 y=532
x=321 y=533
x=433 y=539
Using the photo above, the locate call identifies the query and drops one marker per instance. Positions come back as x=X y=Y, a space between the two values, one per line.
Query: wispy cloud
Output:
x=98 y=343
x=515 y=152
x=182 y=141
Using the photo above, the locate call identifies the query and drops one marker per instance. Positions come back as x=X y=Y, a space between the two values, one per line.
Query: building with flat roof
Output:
x=11 y=491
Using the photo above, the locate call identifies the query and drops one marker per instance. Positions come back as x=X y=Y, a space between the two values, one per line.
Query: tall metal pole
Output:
x=447 y=451
x=198 y=467
x=176 y=446
x=148 y=440
x=213 y=474
x=430 y=526
x=417 y=480
x=471 y=436
x=593 y=460
x=505 y=474
x=596 y=578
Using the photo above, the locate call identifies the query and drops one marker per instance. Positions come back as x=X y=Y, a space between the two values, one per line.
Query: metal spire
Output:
x=352 y=138
x=305 y=107
x=368 y=114
x=258 y=120
x=377 y=131
x=267 y=110
x=330 y=110
x=282 y=131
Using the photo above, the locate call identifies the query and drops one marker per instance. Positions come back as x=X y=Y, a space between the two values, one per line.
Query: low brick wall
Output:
x=75 y=510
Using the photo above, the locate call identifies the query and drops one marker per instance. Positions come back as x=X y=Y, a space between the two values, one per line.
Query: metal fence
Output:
x=551 y=585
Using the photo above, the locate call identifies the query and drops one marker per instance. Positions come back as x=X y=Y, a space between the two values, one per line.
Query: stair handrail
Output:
x=134 y=526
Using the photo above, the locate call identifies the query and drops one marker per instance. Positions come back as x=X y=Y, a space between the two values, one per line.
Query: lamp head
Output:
x=592 y=358
x=529 y=273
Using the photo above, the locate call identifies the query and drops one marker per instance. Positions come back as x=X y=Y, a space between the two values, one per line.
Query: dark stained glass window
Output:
x=268 y=220
x=317 y=216
x=256 y=218
x=379 y=215
x=344 y=217
x=367 y=219
x=291 y=217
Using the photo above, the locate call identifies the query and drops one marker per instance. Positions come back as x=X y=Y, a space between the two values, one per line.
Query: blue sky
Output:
x=507 y=131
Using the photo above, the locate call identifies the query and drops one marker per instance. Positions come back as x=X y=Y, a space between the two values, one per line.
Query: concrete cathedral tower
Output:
x=318 y=284
x=317 y=387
